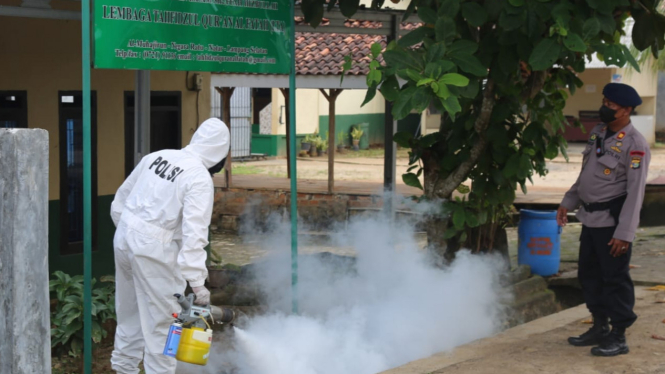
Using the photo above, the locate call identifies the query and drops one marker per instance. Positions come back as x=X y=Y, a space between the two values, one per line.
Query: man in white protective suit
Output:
x=162 y=213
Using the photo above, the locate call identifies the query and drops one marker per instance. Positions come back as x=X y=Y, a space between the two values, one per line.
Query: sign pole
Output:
x=292 y=162
x=87 y=192
x=141 y=115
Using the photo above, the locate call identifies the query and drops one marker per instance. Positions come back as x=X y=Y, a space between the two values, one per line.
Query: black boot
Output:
x=613 y=345
x=594 y=336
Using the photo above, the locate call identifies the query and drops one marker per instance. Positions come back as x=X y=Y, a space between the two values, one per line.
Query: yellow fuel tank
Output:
x=194 y=346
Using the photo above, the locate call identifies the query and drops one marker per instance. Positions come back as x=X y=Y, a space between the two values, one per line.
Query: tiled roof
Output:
x=323 y=54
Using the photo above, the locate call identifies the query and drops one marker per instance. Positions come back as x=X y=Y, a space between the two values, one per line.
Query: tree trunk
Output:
x=488 y=238
x=436 y=223
x=438 y=187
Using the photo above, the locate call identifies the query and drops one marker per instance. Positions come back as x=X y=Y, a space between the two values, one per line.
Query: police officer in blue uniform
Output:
x=609 y=193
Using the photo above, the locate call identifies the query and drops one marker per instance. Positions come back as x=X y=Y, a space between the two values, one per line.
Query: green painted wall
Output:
x=272 y=145
x=102 y=256
x=376 y=123
x=275 y=145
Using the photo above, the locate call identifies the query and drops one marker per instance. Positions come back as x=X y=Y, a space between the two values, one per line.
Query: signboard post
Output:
x=231 y=36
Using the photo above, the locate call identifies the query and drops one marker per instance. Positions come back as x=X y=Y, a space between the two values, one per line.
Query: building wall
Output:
x=660 y=107
x=646 y=84
x=43 y=57
x=307 y=104
x=431 y=122
x=589 y=96
x=348 y=112
x=312 y=112
x=349 y=102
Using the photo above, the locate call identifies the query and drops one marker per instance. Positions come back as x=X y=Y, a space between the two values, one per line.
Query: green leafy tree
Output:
x=645 y=59
x=500 y=71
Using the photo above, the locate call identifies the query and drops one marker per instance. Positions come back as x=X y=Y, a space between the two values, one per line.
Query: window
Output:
x=71 y=171
x=13 y=109
x=165 y=124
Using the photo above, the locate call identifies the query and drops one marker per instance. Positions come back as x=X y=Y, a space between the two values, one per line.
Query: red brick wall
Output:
x=317 y=210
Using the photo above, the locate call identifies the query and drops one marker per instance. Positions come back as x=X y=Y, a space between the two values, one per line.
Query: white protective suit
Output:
x=162 y=213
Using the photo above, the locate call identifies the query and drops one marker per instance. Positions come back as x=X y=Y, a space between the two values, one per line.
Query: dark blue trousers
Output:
x=606 y=284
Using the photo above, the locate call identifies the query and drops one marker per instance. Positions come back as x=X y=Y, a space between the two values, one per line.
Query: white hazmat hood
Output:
x=210 y=142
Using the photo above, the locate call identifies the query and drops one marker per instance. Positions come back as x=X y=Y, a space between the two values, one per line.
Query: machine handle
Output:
x=184 y=303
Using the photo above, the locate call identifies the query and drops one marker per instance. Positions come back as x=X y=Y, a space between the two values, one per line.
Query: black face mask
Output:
x=217 y=168
x=607 y=115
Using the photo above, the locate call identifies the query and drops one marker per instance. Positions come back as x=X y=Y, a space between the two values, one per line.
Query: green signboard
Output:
x=232 y=36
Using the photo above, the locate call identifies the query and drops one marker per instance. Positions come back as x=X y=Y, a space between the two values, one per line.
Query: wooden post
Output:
x=390 y=147
x=285 y=92
x=331 y=97
x=225 y=107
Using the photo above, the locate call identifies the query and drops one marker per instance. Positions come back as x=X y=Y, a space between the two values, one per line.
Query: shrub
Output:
x=67 y=318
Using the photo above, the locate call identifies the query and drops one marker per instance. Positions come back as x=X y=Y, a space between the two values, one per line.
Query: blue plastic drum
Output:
x=539 y=242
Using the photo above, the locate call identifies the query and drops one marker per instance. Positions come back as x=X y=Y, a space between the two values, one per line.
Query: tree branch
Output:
x=444 y=187
x=534 y=85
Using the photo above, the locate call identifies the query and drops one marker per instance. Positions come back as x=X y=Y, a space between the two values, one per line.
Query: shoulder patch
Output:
x=637 y=153
x=621 y=135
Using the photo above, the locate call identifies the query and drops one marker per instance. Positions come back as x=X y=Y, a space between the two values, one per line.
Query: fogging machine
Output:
x=190 y=335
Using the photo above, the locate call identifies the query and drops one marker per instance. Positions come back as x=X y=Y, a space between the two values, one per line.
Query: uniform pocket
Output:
x=607 y=167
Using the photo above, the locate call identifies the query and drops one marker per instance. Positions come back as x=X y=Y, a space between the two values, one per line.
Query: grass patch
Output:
x=371 y=153
x=240 y=169
x=277 y=175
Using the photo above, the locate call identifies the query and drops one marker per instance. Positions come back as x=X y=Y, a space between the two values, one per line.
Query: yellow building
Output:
x=40 y=87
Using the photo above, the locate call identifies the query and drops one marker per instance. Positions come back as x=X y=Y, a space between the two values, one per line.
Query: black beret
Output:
x=622 y=94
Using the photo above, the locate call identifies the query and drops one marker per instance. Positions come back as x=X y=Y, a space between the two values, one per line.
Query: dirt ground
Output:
x=101 y=362
x=540 y=347
x=364 y=166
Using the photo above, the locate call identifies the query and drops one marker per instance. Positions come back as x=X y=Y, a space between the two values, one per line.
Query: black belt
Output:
x=614 y=206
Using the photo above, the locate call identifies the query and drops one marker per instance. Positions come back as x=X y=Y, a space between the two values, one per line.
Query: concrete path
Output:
x=540 y=347
x=369 y=170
